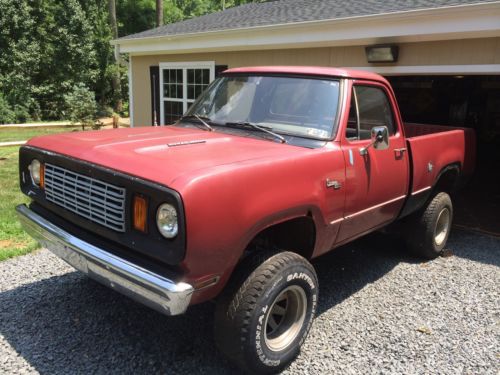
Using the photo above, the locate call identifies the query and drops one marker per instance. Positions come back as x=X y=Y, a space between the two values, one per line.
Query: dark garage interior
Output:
x=466 y=101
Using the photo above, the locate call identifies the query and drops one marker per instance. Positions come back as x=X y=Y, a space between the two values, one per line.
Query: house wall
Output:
x=452 y=52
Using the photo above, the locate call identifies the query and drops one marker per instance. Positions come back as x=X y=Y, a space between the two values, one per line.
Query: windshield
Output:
x=305 y=107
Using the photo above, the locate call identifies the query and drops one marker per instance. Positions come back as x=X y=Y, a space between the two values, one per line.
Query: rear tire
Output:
x=429 y=229
x=262 y=319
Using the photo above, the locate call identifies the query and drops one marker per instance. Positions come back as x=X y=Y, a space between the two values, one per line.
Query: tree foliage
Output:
x=50 y=49
x=20 y=55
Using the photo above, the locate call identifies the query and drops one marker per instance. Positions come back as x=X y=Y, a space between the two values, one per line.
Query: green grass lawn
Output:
x=13 y=240
x=11 y=134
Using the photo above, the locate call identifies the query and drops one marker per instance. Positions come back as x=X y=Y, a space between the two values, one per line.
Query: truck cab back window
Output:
x=373 y=109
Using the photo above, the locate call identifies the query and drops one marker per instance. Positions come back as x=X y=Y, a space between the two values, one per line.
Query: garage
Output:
x=468 y=101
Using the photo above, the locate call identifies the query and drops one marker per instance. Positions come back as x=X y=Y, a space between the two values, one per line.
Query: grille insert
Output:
x=92 y=199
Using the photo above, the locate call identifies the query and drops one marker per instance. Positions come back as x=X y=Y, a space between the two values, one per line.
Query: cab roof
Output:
x=310 y=70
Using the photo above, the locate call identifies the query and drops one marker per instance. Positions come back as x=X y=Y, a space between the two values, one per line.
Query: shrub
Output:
x=104 y=111
x=22 y=114
x=81 y=106
x=7 y=115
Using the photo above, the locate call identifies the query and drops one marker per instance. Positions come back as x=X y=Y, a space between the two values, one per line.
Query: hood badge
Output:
x=185 y=143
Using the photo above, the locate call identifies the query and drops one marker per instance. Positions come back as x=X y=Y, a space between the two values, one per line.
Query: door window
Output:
x=369 y=107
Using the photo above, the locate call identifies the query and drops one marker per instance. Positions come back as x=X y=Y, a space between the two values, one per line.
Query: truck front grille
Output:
x=93 y=199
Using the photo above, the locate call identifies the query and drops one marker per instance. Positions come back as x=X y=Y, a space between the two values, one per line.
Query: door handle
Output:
x=399 y=152
x=336 y=185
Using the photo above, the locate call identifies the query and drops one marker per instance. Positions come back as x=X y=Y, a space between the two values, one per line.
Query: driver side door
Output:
x=377 y=182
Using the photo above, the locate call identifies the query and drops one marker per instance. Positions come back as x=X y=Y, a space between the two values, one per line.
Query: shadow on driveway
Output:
x=70 y=324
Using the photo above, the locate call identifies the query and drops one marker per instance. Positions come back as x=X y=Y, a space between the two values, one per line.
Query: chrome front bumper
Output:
x=146 y=287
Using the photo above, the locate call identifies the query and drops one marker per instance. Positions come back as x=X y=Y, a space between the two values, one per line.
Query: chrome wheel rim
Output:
x=442 y=226
x=285 y=318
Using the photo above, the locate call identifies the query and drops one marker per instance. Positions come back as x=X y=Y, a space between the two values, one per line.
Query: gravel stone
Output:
x=380 y=311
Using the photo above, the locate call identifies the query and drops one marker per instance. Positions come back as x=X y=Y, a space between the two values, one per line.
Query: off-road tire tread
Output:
x=231 y=330
x=421 y=230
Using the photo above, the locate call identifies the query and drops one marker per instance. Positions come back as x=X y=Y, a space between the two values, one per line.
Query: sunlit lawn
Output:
x=23 y=134
x=13 y=240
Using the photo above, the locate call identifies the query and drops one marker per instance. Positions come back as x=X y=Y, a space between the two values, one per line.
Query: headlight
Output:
x=166 y=220
x=35 y=171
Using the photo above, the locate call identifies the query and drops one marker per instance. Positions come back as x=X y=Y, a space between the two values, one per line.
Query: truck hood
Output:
x=162 y=154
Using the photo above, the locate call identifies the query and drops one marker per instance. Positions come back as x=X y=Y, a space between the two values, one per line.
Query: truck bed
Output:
x=432 y=147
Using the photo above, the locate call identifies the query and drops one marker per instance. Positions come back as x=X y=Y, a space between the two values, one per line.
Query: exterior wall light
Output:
x=379 y=54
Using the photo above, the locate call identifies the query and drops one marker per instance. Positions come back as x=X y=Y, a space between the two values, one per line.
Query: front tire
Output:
x=429 y=230
x=261 y=323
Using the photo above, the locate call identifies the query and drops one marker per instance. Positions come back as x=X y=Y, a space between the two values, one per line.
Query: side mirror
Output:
x=380 y=139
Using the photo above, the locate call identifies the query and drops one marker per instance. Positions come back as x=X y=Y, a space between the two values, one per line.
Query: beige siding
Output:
x=454 y=52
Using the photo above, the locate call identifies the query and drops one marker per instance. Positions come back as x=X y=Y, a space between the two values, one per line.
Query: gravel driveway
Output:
x=380 y=312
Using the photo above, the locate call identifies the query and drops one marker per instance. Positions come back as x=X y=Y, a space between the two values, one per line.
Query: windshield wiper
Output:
x=246 y=124
x=202 y=119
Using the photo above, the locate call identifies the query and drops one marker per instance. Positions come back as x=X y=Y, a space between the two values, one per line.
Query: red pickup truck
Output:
x=269 y=168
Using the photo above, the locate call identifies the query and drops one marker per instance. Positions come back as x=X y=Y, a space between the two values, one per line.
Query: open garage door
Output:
x=468 y=101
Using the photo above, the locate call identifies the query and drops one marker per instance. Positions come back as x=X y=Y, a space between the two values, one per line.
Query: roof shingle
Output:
x=292 y=11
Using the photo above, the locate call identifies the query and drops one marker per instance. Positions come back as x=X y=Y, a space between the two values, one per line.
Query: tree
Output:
x=159 y=13
x=19 y=58
x=97 y=13
x=112 y=18
x=67 y=53
x=50 y=47
x=115 y=73
x=7 y=115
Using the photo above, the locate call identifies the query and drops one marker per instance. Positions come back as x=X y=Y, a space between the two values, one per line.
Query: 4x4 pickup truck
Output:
x=270 y=167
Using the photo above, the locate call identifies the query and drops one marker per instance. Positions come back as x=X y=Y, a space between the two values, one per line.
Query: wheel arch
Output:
x=448 y=179
x=294 y=233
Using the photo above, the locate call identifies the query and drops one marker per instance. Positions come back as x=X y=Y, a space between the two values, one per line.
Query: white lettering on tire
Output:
x=301 y=276
x=258 y=344
x=259 y=329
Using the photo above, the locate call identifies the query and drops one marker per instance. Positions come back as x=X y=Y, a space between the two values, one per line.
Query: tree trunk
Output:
x=159 y=13
x=115 y=79
x=112 y=18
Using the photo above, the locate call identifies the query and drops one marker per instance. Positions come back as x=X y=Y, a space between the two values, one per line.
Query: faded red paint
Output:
x=234 y=187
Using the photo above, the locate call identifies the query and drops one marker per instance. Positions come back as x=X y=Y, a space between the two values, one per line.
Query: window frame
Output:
x=390 y=100
x=184 y=66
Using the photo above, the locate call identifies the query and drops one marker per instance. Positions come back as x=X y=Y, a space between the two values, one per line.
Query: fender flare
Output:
x=264 y=223
x=415 y=202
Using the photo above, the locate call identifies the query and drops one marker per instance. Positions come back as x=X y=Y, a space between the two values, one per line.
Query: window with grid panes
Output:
x=181 y=84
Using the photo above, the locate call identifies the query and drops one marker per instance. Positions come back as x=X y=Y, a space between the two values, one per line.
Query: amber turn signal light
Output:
x=140 y=213
x=42 y=175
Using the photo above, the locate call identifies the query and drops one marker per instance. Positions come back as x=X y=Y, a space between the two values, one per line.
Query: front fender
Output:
x=226 y=208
